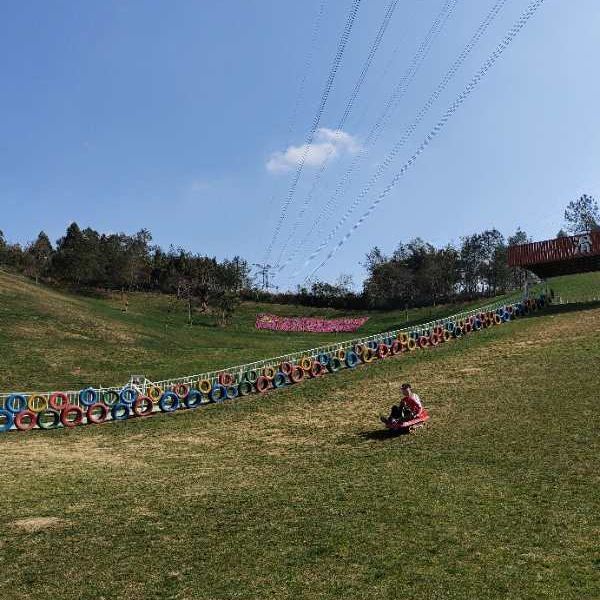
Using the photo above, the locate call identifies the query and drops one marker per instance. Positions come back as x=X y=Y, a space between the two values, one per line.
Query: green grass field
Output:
x=299 y=494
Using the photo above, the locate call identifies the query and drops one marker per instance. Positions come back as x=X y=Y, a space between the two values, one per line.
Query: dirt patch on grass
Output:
x=34 y=524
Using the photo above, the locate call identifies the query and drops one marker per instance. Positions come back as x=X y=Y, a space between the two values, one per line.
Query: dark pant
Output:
x=402 y=412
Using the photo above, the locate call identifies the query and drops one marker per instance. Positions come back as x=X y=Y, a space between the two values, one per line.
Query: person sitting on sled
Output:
x=408 y=408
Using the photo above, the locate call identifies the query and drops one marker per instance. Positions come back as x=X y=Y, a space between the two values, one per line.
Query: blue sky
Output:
x=176 y=116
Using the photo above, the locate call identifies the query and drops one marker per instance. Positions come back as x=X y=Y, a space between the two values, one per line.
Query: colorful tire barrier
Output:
x=52 y=410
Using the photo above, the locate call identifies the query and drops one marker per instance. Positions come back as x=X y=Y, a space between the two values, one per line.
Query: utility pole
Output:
x=264 y=270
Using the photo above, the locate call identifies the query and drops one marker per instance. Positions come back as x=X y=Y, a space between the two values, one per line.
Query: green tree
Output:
x=582 y=215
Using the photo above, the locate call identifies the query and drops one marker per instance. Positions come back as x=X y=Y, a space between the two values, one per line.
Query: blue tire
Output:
x=351 y=359
x=279 y=380
x=88 y=396
x=193 y=399
x=120 y=411
x=7 y=419
x=458 y=332
x=16 y=403
x=232 y=392
x=218 y=393
x=450 y=326
x=169 y=402
x=324 y=359
x=128 y=395
x=335 y=364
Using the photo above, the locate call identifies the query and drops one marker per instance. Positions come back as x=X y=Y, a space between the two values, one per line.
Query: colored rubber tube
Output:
x=144 y=405
x=262 y=384
x=37 y=403
x=193 y=399
x=43 y=422
x=285 y=367
x=181 y=389
x=154 y=392
x=231 y=392
x=218 y=393
x=169 y=402
x=305 y=363
x=335 y=364
x=16 y=403
x=324 y=359
x=25 y=420
x=204 y=385
x=97 y=413
x=279 y=380
x=120 y=411
x=58 y=401
x=71 y=410
x=7 y=420
x=88 y=396
x=297 y=374
x=226 y=379
x=128 y=395
x=351 y=360
x=316 y=369
x=423 y=342
x=110 y=398
x=383 y=350
x=245 y=388
x=269 y=372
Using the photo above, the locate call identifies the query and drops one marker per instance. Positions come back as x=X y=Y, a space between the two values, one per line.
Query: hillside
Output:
x=52 y=340
x=300 y=495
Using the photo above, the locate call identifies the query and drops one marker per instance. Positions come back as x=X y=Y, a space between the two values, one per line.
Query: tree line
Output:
x=416 y=273
x=86 y=259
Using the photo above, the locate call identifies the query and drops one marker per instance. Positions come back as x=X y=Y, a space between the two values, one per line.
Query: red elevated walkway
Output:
x=560 y=256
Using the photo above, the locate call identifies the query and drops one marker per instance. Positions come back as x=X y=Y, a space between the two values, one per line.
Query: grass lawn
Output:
x=300 y=495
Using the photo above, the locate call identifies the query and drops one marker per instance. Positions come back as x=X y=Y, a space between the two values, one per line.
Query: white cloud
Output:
x=327 y=144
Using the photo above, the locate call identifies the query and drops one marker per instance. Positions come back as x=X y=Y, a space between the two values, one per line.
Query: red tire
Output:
x=262 y=384
x=97 y=413
x=433 y=339
x=423 y=342
x=181 y=389
x=25 y=420
x=143 y=406
x=226 y=379
x=297 y=374
x=382 y=350
x=286 y=367
x=58 y=401
x=468 y=327
x=396 y=347
x=70 y=410
x=316 y=369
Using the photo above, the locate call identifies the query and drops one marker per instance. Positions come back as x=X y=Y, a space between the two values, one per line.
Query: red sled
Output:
x=406 y=426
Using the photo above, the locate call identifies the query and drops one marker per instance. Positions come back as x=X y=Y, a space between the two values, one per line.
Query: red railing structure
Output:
x=560 y=256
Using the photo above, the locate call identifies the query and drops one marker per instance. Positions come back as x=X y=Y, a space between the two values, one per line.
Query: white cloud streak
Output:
x=327 y=144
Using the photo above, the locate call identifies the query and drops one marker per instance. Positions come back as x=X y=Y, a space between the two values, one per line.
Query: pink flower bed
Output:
x=309 y=324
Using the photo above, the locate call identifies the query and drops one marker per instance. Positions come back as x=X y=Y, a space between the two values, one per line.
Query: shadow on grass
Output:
x=381 y=435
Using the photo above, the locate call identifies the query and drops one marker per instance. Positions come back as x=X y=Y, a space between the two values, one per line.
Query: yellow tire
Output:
x=403 y=338
x=341 y=354
x=154 y=392
x=305 y=363
x=204 y=385
x=37 y=403
x=269 y=372
x=368 y=355
x=411 y=344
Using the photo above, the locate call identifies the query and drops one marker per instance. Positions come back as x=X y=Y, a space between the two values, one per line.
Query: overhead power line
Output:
x=342 y=121
x=392 y=102
x=471 y=86
x=410 y=130
x=309 y=138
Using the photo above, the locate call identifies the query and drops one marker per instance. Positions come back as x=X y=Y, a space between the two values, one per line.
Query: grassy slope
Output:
x=50 y=340
x=298 y=495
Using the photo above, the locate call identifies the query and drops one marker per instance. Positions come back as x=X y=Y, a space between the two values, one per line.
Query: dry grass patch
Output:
x=34 y=524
